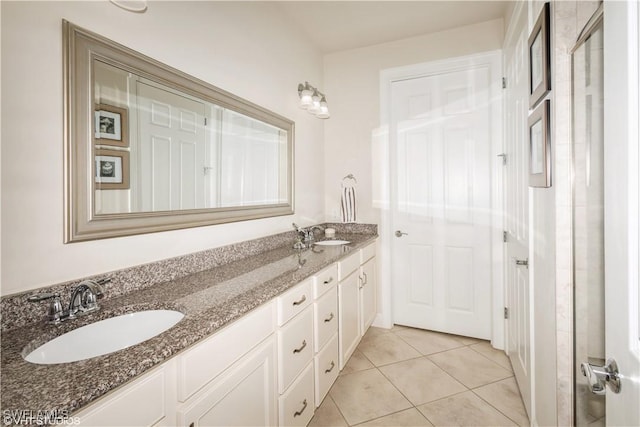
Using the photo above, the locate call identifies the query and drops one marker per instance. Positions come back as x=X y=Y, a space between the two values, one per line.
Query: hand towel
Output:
x=348 y=204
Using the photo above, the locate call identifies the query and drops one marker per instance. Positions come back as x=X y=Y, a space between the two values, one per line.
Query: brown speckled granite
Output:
x=209 y=299
x=15 y=311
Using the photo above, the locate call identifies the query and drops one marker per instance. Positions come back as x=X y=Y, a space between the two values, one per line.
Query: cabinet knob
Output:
x=329 y=280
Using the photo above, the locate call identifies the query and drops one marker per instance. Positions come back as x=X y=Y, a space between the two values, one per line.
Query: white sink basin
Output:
x=332 y=242
x=105 y=336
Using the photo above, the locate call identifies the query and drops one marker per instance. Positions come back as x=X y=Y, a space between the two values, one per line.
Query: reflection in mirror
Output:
x=185 y=152
x=149 y=148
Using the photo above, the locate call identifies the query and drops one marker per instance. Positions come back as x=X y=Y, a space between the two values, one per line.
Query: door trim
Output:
x=381 y=137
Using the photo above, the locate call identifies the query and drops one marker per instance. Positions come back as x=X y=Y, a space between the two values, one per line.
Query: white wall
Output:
x=245 y=48
x=352 y=86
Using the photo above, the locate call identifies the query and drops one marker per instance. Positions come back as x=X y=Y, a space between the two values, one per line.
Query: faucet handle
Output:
x=55 y=311
x=43 y=296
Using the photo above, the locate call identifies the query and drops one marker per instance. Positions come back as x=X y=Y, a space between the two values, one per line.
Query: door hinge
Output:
x=205 y=121
x=506 y=313
x=504 y=236
x=504 y=83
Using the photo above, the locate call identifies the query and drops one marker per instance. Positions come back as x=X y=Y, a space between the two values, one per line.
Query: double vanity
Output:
x=262 y=340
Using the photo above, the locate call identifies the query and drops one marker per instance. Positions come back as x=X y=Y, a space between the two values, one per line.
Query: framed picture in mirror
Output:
x=540 y=146
x=111 y=125
x=112 y=169
x=539 y=58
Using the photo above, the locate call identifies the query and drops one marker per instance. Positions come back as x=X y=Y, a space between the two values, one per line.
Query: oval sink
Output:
x=105 y=336
x=332 y=242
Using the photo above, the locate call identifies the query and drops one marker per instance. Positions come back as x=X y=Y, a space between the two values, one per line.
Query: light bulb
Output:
x=323 y=113
x=315 y=106
x=305 y=93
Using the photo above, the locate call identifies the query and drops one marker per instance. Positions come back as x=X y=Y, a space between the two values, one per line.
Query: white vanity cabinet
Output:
x=273 y=366
x=325 y=307
x=356 y=298
x=244 y=395
x=230 y=372
x=368 y=288
x=295 y=355
x=146 y=401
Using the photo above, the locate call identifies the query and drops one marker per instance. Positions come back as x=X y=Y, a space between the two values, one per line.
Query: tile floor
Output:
x=411 y=377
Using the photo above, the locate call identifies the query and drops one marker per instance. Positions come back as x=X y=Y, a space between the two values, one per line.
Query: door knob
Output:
x=400 y=233
x=601 y=376
x=523 y=262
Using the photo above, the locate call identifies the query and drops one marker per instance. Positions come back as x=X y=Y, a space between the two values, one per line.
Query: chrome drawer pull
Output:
x=301 y=300
x=333 y=365
x=329 y=319
x=298 y=350
x=329 y=280
x=304 y=406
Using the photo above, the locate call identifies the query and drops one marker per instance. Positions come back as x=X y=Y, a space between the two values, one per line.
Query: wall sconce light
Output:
x=312 y=100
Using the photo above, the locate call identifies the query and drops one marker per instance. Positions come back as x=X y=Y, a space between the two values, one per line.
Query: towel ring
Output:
x=351 y=177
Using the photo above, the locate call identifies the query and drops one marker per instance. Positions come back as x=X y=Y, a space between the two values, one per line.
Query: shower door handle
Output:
x=601 y=376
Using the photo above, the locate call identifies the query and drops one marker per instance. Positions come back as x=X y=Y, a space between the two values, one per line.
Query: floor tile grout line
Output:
x=497 y=409
x=427 y=356
x=488 y=358
x=337 y=407
x=437 y=352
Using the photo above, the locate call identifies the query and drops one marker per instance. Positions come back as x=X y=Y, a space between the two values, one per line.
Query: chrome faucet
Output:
x=84 y=300
x=306 y=236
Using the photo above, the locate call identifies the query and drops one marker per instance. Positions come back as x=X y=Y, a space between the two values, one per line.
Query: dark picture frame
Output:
x=540 y=146
x=111 y=125
x=539 y=58
x=111 y=169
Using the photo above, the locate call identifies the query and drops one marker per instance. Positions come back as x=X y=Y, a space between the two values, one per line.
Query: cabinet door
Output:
x=368 y=292
x=348 y=319
x=245 y=395
x=147 y=401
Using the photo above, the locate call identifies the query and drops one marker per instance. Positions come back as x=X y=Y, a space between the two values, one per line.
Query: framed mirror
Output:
x=149 y=148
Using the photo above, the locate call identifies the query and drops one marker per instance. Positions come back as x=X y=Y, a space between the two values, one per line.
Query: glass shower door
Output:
x=588 y=219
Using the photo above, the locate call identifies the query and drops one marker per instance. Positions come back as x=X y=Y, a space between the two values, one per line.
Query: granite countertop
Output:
x=209 y=299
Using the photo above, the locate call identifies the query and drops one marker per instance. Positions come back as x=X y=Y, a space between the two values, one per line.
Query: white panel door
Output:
x=440 y=134
x=172 y=147
x=518 y=301
x=622 y=199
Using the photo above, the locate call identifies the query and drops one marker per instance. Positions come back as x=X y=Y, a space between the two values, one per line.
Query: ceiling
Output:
x=340 y=25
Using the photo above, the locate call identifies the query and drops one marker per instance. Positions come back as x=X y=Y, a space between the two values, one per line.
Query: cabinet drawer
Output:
x=348 y=265
x=325 y=280
x=295 y=347
x=325 y=318
x=367 y=252
x=206 y=360
x=326 y=369
x=294 y=301
x=297 y=404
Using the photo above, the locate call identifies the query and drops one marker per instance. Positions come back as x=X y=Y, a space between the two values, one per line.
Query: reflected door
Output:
x=440 y=127
x=172 y=150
